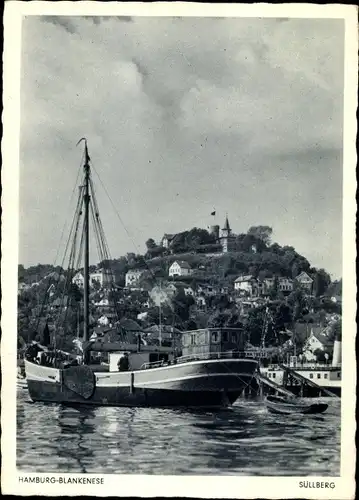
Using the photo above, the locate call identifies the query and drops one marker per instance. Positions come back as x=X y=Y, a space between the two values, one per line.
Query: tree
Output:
x=150 y=244
x=254 y=325
x=263 y=233
x=321 y=282
x=335 y=331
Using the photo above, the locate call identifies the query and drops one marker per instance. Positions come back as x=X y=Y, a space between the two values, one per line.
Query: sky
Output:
x=183 y=116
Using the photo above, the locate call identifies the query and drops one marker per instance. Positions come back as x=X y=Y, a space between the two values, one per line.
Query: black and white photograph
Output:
x=182 y=261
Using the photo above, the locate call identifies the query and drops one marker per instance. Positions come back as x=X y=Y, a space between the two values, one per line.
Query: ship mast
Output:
x=87 y=244
x=86 y=198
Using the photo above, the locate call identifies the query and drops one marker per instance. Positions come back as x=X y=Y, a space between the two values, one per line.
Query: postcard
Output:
x=178 y=250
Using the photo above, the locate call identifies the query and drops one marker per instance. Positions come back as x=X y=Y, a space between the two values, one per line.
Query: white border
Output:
x=180 y=486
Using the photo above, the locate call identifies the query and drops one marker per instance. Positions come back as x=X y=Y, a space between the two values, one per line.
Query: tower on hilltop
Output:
x=226 y=237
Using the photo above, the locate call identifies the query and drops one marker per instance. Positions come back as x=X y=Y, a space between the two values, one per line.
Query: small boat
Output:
x=286 y=406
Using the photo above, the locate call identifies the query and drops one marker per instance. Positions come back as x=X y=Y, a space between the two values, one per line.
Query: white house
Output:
x=107 y=319
x=78 y=279
x=167 y=239
x=315 y=341
x=179 y=268
x=305 y=281
x=102 y=277
x=133 y=276
x=245 y=284
x=285 y=285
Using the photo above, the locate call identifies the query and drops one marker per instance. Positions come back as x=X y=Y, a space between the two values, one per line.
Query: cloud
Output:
x=212 y=110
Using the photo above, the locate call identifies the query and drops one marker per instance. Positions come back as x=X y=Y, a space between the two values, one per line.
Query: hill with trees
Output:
x=253 y=253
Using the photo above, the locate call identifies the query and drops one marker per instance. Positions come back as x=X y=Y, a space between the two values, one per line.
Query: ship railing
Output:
x=210 y=355
x=194 y=357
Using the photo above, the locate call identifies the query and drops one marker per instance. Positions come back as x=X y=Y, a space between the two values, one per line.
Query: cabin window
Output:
x=318 y=375
x=338 y=374
x=273 y=375
x=193 y=339
x=325 y=375
x=311 y=375
x=225 y=336
x=234 y=338
x=214 y=336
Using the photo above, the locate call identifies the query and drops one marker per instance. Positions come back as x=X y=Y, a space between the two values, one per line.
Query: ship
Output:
x=208 y=370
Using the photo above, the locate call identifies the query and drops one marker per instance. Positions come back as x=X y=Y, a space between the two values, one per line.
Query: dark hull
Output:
x=196 y=384
x=121 y=396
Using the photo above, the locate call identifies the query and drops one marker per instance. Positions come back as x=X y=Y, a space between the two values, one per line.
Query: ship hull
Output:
x=199 y=384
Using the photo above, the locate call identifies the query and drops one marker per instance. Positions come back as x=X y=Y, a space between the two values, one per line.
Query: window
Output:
x=311 y=375
x=339 y=374
x=193 y=339
x=225 y=336
x=273 y=375
x=318 y=375
x=234 y=337
x=214 y=336
x=325 y=375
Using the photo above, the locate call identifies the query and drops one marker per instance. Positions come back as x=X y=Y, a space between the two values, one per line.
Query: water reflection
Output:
x=245 y=440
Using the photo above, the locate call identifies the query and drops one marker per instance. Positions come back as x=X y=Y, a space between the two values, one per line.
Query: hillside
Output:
x=213 y=301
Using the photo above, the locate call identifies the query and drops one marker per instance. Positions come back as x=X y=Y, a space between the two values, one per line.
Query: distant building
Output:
x=305 y=281
x=314 y=342
x=285 y=285
x=226 y=238
x=78 y=280
x=102 y=277
x=133 y=276
x=107 y=319
x=247 y=284
x=167 y=240
x=207 y=290
x=179 y=268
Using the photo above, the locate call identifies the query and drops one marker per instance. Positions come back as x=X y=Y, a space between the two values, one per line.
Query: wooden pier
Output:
x=302 y=386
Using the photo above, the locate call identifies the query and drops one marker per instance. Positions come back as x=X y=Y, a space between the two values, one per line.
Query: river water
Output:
x=246 y=440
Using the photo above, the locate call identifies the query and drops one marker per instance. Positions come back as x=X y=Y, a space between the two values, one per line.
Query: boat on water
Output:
x=209 y=372
x=287 y=406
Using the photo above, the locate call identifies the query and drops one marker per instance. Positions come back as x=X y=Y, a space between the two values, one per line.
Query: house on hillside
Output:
x=167 y=240
x=179 y=268
x=133 y=277
x=78 y=279
x=285 y=285
x=305 y=281
x=246 y=284
x=206 y=290
x=201 y=303
x=314 y=342
x=102 y=277
x=107 y=319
